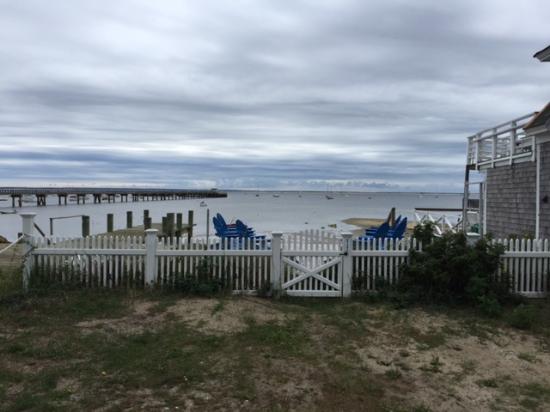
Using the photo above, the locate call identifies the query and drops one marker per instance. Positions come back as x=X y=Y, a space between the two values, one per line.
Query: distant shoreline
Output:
x=338 y=191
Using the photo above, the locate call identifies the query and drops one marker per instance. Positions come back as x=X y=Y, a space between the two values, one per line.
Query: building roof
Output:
x=543 y=55
x=541 y=119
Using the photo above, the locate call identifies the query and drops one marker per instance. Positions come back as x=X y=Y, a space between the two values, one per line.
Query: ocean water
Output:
x=289 y=212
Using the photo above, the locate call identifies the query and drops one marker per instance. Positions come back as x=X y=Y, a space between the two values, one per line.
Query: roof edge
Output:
x=543 y=55
x=534 y=119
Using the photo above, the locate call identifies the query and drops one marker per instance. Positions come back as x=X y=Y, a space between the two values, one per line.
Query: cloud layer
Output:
x=247 y=94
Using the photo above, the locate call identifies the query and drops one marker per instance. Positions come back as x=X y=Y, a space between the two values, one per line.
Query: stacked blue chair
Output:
x=380 y=232
x=372 y=230
x=399 y=230
x=239 y=232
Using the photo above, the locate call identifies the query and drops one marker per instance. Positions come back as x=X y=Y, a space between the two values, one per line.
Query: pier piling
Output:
x=110 y=222
x=147 y=222
x=129 y=219
x=190 y=223
x=85 y=226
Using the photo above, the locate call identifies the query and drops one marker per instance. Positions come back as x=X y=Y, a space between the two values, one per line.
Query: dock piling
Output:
x=129 y=219
x=190 y=223
x=147 y=222
x=110 y=222
x=85 y=226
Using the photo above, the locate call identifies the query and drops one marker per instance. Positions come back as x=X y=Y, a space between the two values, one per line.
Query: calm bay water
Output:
x=289 y=212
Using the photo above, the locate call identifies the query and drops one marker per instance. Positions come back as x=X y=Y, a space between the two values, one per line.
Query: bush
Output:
x=523 y=317
x=450 y=270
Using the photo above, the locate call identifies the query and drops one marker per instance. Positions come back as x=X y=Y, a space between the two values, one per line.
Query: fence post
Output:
x=27 y=232
x=347 y=261
x=151 y=242
x=276 y=262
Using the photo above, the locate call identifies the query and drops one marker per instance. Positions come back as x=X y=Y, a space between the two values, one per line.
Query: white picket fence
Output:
x=311 y=263
x=528 y=263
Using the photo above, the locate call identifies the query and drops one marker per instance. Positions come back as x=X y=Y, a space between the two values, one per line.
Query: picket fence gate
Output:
x=311 y=263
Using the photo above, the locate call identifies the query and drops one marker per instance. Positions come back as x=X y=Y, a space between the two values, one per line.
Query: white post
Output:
x=151 y=242
x=28 y=223
x=27 y=232
x=346 y=264
x=276 y=243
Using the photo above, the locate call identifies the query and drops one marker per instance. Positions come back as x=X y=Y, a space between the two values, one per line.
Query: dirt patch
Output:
x=210 y=316
x=457 y=372
x=227 y=316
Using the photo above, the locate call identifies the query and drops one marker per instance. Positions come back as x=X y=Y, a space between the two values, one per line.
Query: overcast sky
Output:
x=367 y=95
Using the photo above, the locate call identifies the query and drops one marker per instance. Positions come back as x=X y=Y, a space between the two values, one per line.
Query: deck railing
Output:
x=505 y=143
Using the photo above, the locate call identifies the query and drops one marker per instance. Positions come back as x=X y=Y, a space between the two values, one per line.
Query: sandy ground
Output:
x=441 y=363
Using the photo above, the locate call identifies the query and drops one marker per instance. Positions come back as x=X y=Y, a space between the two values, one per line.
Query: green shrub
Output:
x=450 y=270
x=523 y=317
x=424 y=233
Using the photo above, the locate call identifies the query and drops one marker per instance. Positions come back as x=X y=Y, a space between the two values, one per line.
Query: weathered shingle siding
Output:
x=511 y=203
x=545 y=190
x=511 y=200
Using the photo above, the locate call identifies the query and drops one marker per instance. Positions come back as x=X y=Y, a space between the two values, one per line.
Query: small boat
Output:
x=203 y=204
x=257 y=195
x=276 y=195
x=329 y=197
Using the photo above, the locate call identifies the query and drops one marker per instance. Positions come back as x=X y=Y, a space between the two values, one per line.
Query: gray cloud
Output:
x=293 y=94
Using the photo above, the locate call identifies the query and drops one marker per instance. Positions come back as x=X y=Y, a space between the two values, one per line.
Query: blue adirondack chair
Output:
x=399 y=231
x=238 y=233
x=381 y=232
x=371 y=230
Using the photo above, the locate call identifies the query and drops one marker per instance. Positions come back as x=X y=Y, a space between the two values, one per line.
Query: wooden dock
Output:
x=99 y=195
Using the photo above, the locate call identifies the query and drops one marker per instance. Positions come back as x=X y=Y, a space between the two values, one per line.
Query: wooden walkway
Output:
x=109 y=195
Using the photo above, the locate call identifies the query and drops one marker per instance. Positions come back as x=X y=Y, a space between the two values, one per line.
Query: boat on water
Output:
x=276 y=195
x=203 y=204
x=11 y=212
x=329 y=197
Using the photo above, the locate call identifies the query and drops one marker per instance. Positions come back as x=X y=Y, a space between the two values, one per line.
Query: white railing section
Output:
x=502 y=144
x=11 y=245
x=528 y=264
x=379 y=261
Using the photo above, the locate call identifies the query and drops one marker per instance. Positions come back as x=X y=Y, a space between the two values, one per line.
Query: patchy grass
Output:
x=86 y=350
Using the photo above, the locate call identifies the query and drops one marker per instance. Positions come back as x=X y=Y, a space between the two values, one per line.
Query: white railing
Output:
x=314 y=263
x=502 y=144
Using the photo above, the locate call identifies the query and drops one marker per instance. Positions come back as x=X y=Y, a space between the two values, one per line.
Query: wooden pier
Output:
x=99 y=195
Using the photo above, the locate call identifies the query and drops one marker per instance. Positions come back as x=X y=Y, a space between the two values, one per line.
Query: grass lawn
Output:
x=112 y=351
